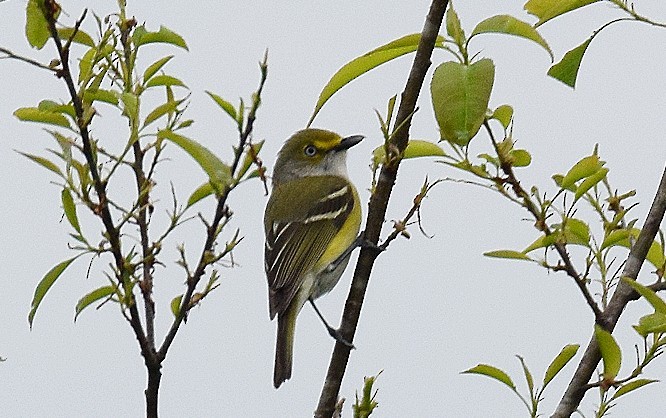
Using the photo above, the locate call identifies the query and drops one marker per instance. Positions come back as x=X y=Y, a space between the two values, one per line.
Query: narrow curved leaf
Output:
x=165 y=80
x=100 y=95
x=33 y=114
x=582 y=169
x=650 y=295
x=218 y=172
x=80 y=37
x=460 y=95
x=155 y=67
x=367 y=62
x=510 y=254
x=493 y=372
x=549 y=9
x=453 y=27
x=650 y=324
x=511 y=26
x=610 y=352
x=528 y=375
x=225 y=105
x=161 y=110
x=416 y=148
x=70 y=209
x=590 y=182
x=631 y=386
x=248 y=159
x=201 y=192
x=44 y=285
x=165 y=36
x=48 y=164
x=541 y=242
x=92 y=297
x=567 y=69
x=558 y=363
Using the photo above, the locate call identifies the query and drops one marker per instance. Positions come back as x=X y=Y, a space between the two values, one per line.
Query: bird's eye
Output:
x=310 y=150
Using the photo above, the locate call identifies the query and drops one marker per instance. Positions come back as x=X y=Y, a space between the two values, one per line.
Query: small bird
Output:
x=311 y=223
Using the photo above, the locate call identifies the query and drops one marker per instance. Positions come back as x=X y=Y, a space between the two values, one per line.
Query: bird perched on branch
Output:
x=311 y=223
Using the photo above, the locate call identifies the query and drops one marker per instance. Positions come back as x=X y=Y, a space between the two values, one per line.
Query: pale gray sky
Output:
x=434 y=308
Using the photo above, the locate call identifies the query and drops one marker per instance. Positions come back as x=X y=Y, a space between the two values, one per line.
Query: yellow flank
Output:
x=344 y=238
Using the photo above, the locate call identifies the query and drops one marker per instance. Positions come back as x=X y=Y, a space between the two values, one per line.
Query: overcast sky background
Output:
x=434 y=307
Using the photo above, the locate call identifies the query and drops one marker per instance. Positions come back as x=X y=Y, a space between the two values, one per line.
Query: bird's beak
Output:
x=348 y=142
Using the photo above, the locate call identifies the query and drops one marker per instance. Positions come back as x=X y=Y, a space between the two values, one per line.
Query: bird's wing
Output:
x=291 y=221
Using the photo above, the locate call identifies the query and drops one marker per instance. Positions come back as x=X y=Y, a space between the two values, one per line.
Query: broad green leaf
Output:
x=528 y=376
x=615 y=237
x=610 y=352
x=590 y=182
x=130 y=104
x=511 y=26
x=657 y=303
x=92 y=297
x=164 y=80
x=36 y=27
x=511 y=254
x=652 y=323
x=520 y=157
x=460 y=95
x=579 y=229
x=48 y=164
x=44 y=285
x=621 y=237
x=218 y=172
x=558 y=363
x=155 y=67
x=33 y=114
x=557 y=178
x=582 y=169
x=161 y=110
x=549 y=9
x=86 y=64
x=100 y=95
x=142 y=37
x=453 y=27
x=175 y=305
x=225 y=105
x=567 y=69
x=80 y=37
x=631 y=386
x=415 y=149
x=201 y=192
x=494 y=372
x=70 y=209
x=541 y=242
x=503 y=114
x=55 y=107
x=367 y=62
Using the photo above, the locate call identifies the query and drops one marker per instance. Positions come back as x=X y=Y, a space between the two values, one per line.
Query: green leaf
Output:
x=175 y=305
x=161 y=110
x=503 y=114
x=528 y=376
x=511 y=26
x=100 y=95
x=367 y=62
x=650 y=295
x=218 y=172
x=80 y=37
x=164 y=80
x=155 y=67
x=201 y=192
x=130 y=104
x=510 y=254
x=614 y=238
x=55 y=107
x=493 y=372
x=33 y=114
x=541 y=242
x=460 y=95
x=520 y=158
x=590 y=182
x=92 y=297
x=70 y=209
x=165 y=36
x=48 y=164
x=652 y=323
x=610 y=352
x=415 y=149
x=36 y=27
x=558 y=363
x=621 y=237
x=567 y=69
x=576 y=232
x=248 y=159
x=631 y=386
x=549 y=9
x=44 y=285
x=453 y=27
x=582 y=169
x=225 y=105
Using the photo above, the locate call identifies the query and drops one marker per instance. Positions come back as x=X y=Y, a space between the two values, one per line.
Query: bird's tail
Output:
x=284 y=346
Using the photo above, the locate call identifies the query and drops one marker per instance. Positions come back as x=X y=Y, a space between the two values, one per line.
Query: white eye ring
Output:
x=310 y=150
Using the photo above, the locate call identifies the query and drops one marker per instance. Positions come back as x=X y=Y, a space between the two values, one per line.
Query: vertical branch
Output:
x=377 y=210
x=577 y=386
